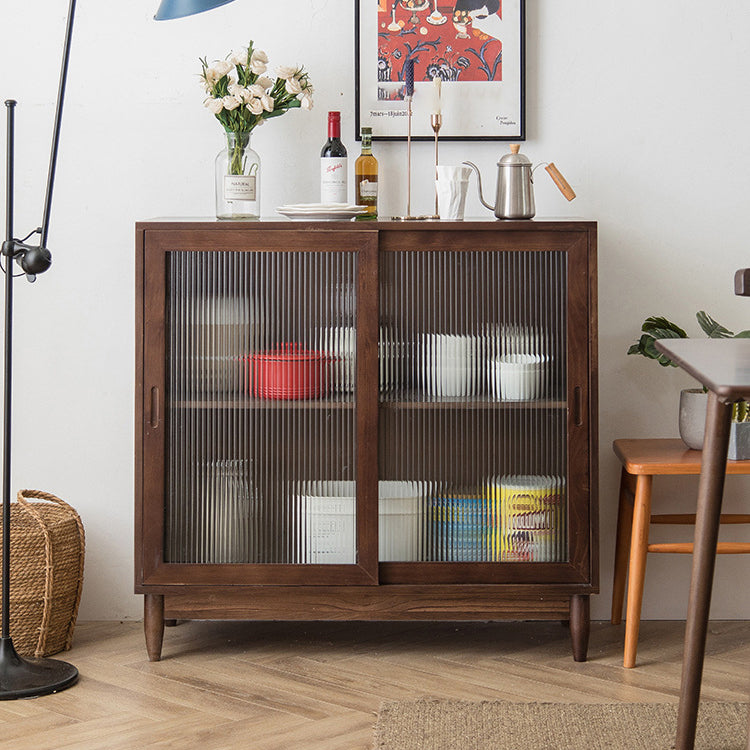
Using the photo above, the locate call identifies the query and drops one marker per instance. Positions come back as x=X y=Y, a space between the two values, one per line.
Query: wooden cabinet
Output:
x=366 y=420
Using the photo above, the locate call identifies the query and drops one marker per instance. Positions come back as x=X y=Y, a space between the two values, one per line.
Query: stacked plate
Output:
x=321 y=211
x=448 y=365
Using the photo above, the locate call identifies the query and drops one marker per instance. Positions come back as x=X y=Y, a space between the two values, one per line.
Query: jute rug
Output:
x=431 y=724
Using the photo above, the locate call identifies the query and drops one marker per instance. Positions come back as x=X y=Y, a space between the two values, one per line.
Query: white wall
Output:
x=643 y=106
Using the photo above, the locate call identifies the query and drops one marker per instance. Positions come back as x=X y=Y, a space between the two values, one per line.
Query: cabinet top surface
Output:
x=538 y=224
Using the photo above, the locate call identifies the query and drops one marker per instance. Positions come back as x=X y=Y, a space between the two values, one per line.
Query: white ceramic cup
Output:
x=452 y=185
x=518 y=377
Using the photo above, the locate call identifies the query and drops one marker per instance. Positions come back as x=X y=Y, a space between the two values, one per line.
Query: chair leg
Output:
x=637 y=568
x=622 y=544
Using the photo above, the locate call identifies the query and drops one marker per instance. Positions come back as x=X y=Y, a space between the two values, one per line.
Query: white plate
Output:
x=321 y=215
x=320 y=206
x=321 y=211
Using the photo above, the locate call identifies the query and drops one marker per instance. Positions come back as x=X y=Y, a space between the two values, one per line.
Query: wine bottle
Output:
x=366 y=177
x=333 y=164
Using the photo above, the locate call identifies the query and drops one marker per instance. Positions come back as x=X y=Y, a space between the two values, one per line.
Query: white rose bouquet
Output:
x=242 y=96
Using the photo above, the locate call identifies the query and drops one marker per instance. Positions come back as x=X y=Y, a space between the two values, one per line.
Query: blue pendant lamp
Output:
x=21 y=677
x=169 y=9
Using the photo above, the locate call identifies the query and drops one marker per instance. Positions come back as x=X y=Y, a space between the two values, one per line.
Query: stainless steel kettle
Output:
x=514 y=198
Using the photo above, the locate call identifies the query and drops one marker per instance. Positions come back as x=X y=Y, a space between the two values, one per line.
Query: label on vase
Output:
x=238 y=187
x=333 y=186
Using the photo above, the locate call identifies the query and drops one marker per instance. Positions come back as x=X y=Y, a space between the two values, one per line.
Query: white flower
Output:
x=293 y=86
x=239 y=57
x=256 y=90
x=214 y=105
x=258 y=62
x=267 y=102
x=306 y=101
x=264 y=82
x=240 y=93
x=255 y=106
x=210 y=78
x=221 y=68
x=231 y=102
x=285 y=72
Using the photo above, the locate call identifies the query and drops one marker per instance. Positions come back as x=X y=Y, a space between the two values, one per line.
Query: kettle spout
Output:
x=479 y=184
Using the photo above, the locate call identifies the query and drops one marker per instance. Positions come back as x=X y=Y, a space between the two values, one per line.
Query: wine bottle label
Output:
x=368 y=189
x=238 y=187
x=333 y=188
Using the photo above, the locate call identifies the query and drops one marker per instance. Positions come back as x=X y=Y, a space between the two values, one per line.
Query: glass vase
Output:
x=237 y=179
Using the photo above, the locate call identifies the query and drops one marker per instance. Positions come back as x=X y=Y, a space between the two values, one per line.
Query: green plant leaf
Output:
x=647 y=347
x=741 y=411
x=742 y=335
x=662 y=328
x=711 y=328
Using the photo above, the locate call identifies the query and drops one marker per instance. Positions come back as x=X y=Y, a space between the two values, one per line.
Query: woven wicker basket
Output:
x=46 y=571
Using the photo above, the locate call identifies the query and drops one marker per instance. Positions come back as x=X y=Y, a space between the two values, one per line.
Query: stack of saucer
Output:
x=321 y=211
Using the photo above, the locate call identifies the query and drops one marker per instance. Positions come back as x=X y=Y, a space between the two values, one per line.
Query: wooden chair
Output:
x=641 y=461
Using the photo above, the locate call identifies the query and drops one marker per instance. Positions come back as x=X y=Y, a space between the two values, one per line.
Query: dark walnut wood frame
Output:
x=368 y=590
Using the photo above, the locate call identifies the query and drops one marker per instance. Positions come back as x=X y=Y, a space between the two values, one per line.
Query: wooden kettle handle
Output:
x=560 y=181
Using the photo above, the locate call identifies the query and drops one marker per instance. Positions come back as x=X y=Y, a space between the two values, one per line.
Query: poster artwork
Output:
x=454 y=41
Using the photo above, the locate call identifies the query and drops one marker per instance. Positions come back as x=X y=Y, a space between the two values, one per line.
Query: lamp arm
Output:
x=58 y=121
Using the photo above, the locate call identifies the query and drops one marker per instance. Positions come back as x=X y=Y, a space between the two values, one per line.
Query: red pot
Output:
x=288 y=372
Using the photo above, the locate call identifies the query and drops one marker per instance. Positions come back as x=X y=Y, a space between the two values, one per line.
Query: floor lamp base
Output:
x=28 y=678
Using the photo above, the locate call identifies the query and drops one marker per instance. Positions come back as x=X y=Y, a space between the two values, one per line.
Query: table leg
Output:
x=622 y=543
x=710 y=490
x=637 y=566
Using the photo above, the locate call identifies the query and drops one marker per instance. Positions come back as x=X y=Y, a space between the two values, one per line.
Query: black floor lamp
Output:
x=21 y=677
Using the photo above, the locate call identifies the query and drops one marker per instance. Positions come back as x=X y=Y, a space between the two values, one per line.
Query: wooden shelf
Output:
x=416 y=402
x=476 y=402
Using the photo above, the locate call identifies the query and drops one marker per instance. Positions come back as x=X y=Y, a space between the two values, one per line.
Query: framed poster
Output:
x=475 y=47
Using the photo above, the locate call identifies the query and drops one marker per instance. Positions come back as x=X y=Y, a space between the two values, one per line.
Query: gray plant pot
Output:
x=693 y=406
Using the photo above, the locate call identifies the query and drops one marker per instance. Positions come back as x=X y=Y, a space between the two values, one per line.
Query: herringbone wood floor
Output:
x=317 y=686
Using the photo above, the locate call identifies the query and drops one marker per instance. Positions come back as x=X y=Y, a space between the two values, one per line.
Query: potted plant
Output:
x=694 y=401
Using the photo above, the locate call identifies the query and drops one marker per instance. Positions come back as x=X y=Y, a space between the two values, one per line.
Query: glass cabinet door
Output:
x=261 y=461
x=474 y=412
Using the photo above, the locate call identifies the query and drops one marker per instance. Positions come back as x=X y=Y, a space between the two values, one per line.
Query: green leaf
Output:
x=742 y=335
x=662 y=325
x=646 y=347
x=711 y=328
x=740 y=411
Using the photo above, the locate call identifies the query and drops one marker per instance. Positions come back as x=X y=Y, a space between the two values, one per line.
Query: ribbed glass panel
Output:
x=260 y=408
x=473 y=425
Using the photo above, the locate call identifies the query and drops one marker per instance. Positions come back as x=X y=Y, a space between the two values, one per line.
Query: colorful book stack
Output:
x=459 y=529
x=532 y=519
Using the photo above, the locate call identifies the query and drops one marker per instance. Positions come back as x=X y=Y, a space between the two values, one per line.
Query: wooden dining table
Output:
x=723 y=367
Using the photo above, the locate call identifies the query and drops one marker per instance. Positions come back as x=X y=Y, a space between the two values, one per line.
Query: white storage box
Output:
x=400 y=521
x=327 y=523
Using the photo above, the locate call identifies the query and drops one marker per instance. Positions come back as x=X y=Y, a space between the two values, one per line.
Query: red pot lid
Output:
x=290 y=353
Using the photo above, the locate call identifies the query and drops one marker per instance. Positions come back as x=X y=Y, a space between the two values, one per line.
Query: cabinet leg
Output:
x=580 y=625
x=153 y=624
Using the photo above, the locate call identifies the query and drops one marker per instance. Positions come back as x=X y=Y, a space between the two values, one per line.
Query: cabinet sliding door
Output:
x=262 y=468
x=478 y=394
